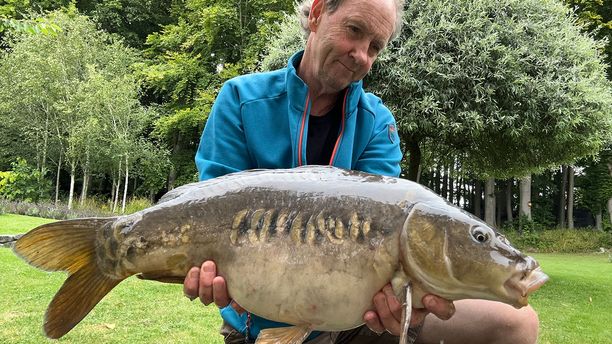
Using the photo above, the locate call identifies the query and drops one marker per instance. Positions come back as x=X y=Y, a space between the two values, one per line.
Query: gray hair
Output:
x=332 y=5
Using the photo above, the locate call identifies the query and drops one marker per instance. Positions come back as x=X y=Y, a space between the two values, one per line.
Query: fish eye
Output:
x=480 y=235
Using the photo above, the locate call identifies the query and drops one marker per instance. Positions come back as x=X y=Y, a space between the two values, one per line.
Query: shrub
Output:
x=560 y=240
x=24 y=183
x=137 y=204
x=48 y=210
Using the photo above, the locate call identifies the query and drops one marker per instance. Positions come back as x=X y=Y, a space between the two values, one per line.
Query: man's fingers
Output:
x=221 y=296
x=394 y=305
x=440 y=307
x=372 y=322
x=190 y=285
x=207 y=275
x=386 y=317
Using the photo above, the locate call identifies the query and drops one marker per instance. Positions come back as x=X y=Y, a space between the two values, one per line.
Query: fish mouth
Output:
x=523 y=283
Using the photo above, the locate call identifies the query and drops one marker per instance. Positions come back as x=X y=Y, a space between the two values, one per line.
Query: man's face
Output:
x=347 y=42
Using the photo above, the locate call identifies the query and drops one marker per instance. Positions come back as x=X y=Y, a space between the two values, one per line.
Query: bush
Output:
x=92 y=207
x=48 y=210
x=136 y=204
x=24 y=183
x=560 y=240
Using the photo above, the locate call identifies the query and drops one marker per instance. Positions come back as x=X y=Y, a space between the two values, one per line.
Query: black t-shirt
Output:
x=322 y=135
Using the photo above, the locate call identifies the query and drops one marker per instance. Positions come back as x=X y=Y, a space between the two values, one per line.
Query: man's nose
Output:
x=359 y=54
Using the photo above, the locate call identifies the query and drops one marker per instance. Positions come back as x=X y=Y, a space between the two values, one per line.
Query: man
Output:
x=316 y=112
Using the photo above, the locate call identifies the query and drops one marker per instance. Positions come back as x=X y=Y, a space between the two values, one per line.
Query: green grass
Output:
x=14 y=224
x=575 y=306
x=135 y=311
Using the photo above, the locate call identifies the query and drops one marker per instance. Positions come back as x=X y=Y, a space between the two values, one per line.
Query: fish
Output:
x=308 y=246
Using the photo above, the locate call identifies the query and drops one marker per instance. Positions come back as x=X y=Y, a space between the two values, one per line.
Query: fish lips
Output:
x=523 y=283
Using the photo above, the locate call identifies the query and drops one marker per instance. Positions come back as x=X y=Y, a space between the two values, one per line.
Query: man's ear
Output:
x=315 y=14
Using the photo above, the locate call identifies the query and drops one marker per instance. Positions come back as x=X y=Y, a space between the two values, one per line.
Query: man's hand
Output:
x=204 y=283
x=388 y=314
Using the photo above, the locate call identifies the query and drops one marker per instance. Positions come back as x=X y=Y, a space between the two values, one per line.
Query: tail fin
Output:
x=68 y=246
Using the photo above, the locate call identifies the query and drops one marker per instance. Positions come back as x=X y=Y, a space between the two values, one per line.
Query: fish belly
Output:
x=328 y=287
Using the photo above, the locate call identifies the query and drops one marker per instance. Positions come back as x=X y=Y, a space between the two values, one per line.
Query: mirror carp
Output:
x=308 y=246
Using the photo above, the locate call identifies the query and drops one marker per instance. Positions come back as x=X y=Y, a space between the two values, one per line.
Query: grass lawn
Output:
x=575 y=306
x=14 y=224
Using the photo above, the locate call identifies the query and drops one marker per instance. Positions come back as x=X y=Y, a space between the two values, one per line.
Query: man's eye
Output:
x=354 y=29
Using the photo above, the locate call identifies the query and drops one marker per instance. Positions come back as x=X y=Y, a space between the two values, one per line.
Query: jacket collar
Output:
x=297 y=89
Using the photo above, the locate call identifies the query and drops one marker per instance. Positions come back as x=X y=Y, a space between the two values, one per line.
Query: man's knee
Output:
x=479 y=321
x=522 y=327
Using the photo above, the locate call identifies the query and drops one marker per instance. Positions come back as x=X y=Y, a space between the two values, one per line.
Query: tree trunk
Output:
x=85 y=179
x=570 y=197
x=509 y=216
x=175 y=150
x=43 y=163
x=610 y=209
x=85 y=187
x=525 y=197
x=112 y=198
x=451 y=184
x=71 y=192
x=436 y=180
x=610 y=199
x=445 y=182
x=478 y=198
x=562 y=197
x=414 y=159
x=499 y=199
x=57 y=179
x=116 y=196
x=125 y=184
x=490 y=201
x=598 y=221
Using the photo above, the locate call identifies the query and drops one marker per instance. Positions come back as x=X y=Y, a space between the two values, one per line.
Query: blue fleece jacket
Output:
x=261 y=121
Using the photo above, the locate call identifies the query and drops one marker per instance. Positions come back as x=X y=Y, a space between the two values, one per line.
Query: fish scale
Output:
x=262 y=225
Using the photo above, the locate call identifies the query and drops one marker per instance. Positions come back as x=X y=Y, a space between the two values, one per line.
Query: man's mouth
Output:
x=345 y=66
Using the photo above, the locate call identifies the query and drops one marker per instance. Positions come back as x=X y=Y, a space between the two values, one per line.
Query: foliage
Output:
x=133 y=20
x=560 y=240
x=510 y=87
x=24 y=183
x=74 y=99
x=212 y=41
x=594 y=184
x=288 y=40
x=92 y=208
x=596 y=16
x=137 y=204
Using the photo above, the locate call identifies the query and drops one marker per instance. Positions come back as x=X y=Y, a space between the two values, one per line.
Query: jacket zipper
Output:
x=302 y=131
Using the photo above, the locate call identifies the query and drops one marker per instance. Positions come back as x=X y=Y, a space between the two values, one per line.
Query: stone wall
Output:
x=7 y=240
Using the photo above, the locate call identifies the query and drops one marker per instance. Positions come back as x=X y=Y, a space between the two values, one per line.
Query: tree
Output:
x=596 y=16
x=73 y=95
x=212 y=41
x=594 y=186
x=514 y=85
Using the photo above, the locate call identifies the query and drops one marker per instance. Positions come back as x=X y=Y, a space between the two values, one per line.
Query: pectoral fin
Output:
x=162 y=278
x=283 y=335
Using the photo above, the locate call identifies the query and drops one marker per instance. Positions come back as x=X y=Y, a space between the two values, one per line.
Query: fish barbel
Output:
x=308 y=246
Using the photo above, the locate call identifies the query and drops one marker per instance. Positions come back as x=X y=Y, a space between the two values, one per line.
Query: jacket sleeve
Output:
x=382 y=154
x=223 y=148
